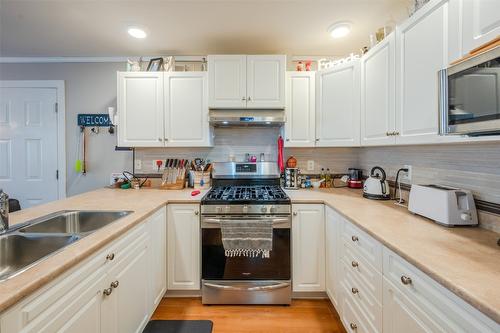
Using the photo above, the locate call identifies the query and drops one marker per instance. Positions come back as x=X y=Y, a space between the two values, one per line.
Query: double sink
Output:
x=26 y=244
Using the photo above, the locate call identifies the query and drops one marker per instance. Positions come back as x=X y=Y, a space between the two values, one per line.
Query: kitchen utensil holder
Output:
x=198 y=177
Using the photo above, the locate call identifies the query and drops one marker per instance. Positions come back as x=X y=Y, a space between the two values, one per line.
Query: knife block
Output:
x=179 y=184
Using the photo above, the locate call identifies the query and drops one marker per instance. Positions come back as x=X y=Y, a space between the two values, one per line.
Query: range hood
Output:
x=246 y=117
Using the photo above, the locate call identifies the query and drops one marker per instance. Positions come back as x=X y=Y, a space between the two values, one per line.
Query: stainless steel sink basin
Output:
x=73 y=222
x=18 y=252
x=24 y=245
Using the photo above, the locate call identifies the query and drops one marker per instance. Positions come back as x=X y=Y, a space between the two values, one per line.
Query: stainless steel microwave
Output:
x=469 y=96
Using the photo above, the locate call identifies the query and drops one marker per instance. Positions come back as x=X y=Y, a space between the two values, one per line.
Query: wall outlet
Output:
x=138 y=164
x=406 y=176
x=310 y=165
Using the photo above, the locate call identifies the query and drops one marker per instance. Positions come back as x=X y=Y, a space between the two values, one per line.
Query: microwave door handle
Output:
x=443 y=102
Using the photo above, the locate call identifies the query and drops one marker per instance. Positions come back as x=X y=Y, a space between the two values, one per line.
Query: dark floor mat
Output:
x=178 y=326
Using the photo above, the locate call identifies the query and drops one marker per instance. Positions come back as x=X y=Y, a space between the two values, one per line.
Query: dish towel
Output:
x=247 y=238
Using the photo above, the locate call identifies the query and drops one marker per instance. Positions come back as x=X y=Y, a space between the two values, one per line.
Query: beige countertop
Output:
x=464 y=260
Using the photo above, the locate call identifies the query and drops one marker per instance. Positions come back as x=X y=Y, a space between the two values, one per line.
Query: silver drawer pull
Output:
x=107 y=291
x=115 y=284
x=406 y=280
x=354 y=290
x=355 y=238
x=354 y=264
x=353 y=326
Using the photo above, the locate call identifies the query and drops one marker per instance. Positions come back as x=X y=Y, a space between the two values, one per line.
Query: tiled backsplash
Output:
x=470 y=166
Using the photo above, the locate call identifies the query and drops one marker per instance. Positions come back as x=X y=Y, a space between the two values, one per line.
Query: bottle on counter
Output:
x=322 y=177
x=328 y=178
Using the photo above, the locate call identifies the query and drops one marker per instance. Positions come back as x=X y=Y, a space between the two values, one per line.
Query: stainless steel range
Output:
x=246 y=194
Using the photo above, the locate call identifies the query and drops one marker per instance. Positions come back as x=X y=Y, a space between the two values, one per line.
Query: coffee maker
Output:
x=355 y=179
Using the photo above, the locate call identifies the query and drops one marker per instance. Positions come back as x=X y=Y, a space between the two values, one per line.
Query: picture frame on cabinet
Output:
x=155 y=65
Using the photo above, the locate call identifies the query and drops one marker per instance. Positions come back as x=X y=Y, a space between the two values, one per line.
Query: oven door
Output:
x=470 y=95
x=216 y=266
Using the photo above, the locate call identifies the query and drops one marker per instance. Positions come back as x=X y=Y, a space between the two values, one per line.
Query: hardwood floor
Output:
x=304 y=316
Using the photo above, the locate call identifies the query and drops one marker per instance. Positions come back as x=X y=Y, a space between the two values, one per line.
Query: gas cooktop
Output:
x=246 y=194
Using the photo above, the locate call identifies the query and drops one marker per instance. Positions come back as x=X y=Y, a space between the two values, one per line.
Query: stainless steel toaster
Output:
x=446 y=205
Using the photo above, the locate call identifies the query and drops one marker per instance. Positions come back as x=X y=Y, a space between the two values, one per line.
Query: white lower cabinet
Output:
x=308 y=247
x=183 y=230
x=108 y=292
x=381 y=292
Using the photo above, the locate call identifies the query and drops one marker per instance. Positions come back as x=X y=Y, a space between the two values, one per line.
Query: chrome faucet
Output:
x=4 y=211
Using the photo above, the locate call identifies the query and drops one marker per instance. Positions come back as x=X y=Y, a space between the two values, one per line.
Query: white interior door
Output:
x=28 y=144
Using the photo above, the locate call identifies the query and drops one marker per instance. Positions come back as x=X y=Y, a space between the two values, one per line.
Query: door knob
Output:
x=355 y=238
x=110 y=256
x=406 y=280
x=353 y=326
x=354 y=264
x=354 y=290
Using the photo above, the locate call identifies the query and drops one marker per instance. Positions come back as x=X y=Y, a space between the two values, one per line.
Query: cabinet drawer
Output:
x=438 y=302
x=361 y=269
x=368 y=306
x=353 y=321
x=363 y=244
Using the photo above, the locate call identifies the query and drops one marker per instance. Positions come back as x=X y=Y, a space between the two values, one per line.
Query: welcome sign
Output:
x=93 y=120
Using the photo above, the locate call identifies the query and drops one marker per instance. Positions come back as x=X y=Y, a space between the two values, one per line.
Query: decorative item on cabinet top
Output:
x=168 y=64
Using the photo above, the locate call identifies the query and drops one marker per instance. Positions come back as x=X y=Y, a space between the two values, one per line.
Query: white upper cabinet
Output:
x=480 y=22
x=422 y=50
x=163 y=109
x=300 y=109
x=186 y=109
x=266 y=81
x=378 y=94
x=140 y=109
x=240 y=81
x=338 y=106
x=227 y=80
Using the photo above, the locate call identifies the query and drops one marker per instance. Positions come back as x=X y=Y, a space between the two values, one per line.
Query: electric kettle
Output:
x=376 y=186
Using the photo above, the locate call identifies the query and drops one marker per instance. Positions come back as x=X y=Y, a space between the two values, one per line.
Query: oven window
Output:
x=474 y=94
x=215 y=265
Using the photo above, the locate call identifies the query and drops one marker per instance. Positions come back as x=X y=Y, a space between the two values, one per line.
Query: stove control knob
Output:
x=218 y=209
x=273 y=209
x=245 y=209
x=263 y=210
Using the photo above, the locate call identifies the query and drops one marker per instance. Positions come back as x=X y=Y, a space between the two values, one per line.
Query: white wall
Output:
x=90 y=88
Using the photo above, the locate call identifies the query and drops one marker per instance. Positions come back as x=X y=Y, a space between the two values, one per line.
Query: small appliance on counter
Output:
x=355 y=179
x=376 y=186
x=292 y=179
x=445 y=205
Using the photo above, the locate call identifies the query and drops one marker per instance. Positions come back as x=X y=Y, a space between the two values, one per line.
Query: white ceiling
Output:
x=196 y=27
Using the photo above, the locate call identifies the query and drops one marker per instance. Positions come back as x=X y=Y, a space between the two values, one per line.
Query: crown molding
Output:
x=35 y=60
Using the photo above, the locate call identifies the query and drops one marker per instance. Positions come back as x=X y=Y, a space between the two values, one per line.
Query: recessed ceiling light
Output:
x=340 y=29
x=137 y=32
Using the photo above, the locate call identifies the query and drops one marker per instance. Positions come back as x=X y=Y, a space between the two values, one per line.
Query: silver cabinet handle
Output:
x=287 y=139
x=387 y=134
x=166 y=139
x=355 y=238
x=354 y=290
x=107 y=291
x=115 y=284
x=294 y=213
x=249 y=99
x=243 y=98
x=317 y=139
x=196 y=212
x=396 y=133
x=160 y=139
x=354 y=264
x=353 y=326
x=406 y=280
x=110 y=256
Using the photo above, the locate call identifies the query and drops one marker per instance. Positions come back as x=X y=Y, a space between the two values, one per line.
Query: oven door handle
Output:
x=259 y=288
x=219 y=221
